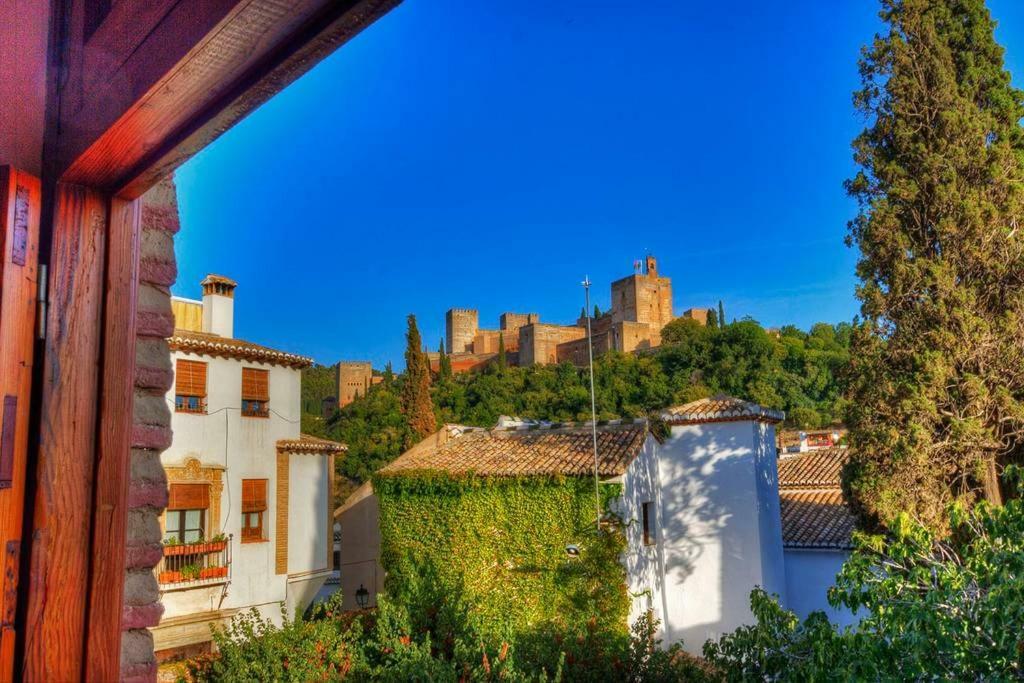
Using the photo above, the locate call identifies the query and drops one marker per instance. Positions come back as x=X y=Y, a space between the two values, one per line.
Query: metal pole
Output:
x=593 y=403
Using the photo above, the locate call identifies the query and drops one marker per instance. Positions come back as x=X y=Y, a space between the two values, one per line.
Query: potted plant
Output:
x=169 y=576
x=172 y=546
x=213 y=572
x=189 y=572
x=216 y=543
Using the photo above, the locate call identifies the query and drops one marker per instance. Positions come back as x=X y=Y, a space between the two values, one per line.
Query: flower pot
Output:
x=169 y=577
x=215 y=546
x=213 y=572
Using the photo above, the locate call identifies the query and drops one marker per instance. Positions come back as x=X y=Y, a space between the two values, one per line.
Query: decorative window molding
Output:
x=194 y=472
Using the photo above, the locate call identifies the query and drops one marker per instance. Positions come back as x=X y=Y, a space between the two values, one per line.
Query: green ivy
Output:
x=486 y=558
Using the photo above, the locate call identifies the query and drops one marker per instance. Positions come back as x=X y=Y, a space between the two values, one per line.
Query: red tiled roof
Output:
x=310 y=444
x=814 y=514
x=214 y=345
x=815 y=469
x=529 y=452
x=720 y=409
x=815 y=519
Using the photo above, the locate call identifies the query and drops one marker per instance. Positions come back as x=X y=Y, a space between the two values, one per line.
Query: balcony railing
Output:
x=190 y=565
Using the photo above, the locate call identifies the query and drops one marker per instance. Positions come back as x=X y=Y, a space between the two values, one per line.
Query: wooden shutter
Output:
x=254 y=385
x=189 y=497
x=190 y=378
x=254 y=495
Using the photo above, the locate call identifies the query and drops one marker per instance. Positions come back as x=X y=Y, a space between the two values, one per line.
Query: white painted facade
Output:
x=809 y=574
x=241 y=447
x=715 y=531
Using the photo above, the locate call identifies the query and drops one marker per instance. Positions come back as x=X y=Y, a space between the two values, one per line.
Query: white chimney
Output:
x=219 y=305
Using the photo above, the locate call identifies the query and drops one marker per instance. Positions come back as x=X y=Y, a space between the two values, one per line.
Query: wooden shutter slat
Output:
x=189 y=497
x=254 y=495
x=190 y=378
x=255 y=385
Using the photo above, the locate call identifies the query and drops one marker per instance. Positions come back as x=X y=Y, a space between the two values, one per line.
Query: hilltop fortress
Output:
x=641 y=307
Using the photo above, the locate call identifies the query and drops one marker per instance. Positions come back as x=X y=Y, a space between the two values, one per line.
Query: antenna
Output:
x=593 y=401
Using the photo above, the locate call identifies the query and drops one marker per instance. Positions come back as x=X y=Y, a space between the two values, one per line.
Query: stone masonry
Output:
x=151 y=432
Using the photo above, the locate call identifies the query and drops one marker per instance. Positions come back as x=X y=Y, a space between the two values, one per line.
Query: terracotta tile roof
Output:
x=814 y=514
x=530 y=451
x=310 y=444
x=215 y=345
x=815 y=519
x=720 y=409
x=815 y=469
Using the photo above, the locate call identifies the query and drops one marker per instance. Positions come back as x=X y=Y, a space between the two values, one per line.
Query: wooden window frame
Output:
x=258 y=533
x=255 y=392
x=180 y=513
x=180 y=405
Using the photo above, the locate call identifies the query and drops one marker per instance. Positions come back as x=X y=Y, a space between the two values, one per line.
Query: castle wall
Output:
x=643 y=299
x=511 y=322
x=353 y=379
x=538 y=342
x=460 y=326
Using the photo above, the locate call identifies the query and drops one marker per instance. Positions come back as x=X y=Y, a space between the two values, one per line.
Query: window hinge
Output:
x=42 y=301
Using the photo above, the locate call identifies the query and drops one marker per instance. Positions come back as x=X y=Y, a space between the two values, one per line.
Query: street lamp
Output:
x=362 y=597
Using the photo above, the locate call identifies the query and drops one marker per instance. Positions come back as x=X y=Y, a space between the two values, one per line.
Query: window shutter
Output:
x=254 y=495
x=189 y=497
x=190 y=378
x=255 y=385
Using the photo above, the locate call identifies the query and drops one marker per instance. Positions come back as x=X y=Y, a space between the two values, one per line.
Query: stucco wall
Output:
x=712 y=505
x=307 y=514
x=247 y=448
x=809 y=573
x=359 y=549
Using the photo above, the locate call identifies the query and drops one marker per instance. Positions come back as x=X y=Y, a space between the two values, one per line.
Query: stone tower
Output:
x=460 y=326
x=643 y=297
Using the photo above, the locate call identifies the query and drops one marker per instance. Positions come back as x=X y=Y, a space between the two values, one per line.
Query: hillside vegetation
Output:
x=792 y=370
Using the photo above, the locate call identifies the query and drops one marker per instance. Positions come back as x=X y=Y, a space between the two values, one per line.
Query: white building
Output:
x=249 y=519
x=705 y=523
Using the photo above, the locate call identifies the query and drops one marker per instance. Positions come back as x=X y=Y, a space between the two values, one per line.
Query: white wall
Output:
x=359 y=549
x=307 y=513
x=809 y=574
x=247 y=448
x=718 y=528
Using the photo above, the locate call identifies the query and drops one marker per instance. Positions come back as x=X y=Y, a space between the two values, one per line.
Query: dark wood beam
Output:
x=202 y=67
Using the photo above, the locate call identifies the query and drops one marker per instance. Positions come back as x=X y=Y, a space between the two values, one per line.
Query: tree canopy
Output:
x=936 y=390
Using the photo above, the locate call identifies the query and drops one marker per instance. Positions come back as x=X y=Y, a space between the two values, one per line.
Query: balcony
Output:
x=193 y=565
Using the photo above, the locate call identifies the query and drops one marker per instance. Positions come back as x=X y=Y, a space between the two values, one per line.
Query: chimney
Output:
x=219 y=305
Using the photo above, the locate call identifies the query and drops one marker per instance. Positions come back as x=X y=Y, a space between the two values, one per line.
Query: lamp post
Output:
x=362 y=597
x=593 y=401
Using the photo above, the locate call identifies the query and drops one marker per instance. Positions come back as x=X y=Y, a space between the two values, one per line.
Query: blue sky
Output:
x=489 y=155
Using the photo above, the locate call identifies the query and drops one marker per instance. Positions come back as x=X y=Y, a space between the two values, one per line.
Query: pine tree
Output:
x=416 y=403
x=936 y=384
x=721 y=314
x=502 y=358
x=444 y=371
x=712 y=319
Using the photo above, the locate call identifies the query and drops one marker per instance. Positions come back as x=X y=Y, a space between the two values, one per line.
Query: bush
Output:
x=949 y=608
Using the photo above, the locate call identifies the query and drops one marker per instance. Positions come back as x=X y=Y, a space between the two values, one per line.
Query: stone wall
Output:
x=353 y=379
x=538 y=342
x=460 y=326
x=151 y=432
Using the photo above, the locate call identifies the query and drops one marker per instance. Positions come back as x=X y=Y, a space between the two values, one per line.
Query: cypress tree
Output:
x=721 y=314
x=936 y=384
x=712 y=319
x=389 y=375
x=502 y=358
x=416 y=403
x=445 y=364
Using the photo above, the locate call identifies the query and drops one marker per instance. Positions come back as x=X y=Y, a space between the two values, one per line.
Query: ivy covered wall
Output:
x=485 y=559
